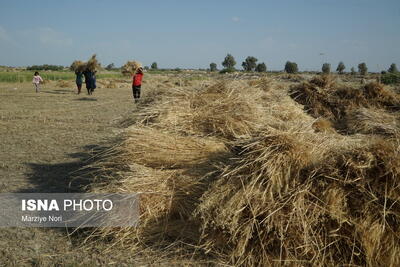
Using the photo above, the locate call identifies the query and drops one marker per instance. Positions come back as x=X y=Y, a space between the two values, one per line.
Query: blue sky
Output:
x=192 y=34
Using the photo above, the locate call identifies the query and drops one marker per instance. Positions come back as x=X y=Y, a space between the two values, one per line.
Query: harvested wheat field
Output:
x=46 y=138
x=267 y=171
x=260 y=172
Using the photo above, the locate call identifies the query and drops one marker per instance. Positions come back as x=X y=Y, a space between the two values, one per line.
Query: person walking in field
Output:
x=137 y=84
x=36 y=81
x=90 y=81
x=79 y=76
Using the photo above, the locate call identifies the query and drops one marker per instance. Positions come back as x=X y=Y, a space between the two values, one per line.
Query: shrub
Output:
x=340 y=68
x=213 y=66
x=227 y=70
x=326 y=68
x=362 y=68
x=393 y=68
x=45 y=67
x=391 y=78
x=261 y=67
x=291 y=67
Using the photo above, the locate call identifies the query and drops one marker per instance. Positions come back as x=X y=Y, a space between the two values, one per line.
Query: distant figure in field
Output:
x=137 y=84
x=36 y=81
x=79 y=76
x=90 y=81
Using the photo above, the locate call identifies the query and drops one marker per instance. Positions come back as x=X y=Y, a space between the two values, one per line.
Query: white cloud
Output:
x=235 y=19
x=50 y=37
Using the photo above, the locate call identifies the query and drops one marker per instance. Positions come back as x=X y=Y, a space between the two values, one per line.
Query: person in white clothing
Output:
x=36 y=81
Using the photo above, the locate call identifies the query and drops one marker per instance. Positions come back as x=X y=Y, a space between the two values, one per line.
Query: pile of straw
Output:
x=373 y=121
x=321 y=96
x=130 y=67
x=80 y=66
x=242 y=175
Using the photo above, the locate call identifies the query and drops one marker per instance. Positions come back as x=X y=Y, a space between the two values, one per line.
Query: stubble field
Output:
x=237 y=170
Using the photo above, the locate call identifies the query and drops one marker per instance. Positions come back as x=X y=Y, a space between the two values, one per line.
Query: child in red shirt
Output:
x=137 y=84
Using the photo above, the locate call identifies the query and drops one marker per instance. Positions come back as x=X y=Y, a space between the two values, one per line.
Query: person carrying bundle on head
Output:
x=137 y=84
x=90 y=81
x=79 y=76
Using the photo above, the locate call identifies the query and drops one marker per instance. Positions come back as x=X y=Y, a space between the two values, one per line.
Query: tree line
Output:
x=250 y=64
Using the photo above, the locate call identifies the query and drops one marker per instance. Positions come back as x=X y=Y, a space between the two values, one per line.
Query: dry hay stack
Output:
x=284 y=200
x=64 y=84
x=377 y=94
x=227 y=109
x=373 y=121
x=244 y=175
x=321 y=96
x=92 y=64
x=323 y=81
x=169 y=171
x=130 y=67
x=165 y=150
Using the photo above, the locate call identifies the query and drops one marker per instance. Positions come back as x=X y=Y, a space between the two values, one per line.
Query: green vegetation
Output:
x=250 y=63
x=154 y=66
x=340 y=68
x=213 y=66
x=229 y=63
x=326 y=68
x=362 y=68
x=26 y=76
x=45 y=67
x=110 y=67
x=393 y=68
x=291 y=67
x=391 y=78
x=261 y=67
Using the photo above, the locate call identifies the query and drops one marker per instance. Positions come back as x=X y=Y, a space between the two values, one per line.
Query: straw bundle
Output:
x=78 y=66
x=285 y=201
x=227 y=110
x=373 y=121
x=130 y=67
x=92 y=64
x=243 y=174
x=322 y=97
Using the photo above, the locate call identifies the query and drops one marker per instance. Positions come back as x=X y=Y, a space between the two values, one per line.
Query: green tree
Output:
x=353 y=71
x=250 y=63
x=291 y=67
x=326 y=68
x=393 y=68
x=213 y=66
x=340 y=68
x=154 y=66
x=362 y=68
x=261 y=67
x=110 y=66
x=229 y=62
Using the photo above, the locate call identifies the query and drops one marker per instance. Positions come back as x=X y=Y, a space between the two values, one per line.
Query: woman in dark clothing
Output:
x=79 y=75
x=90 y=81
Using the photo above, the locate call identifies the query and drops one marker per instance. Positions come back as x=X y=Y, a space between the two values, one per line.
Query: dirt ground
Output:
x=44 y=137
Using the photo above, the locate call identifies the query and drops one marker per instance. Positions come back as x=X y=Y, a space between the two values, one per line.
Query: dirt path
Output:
x=43 y=138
